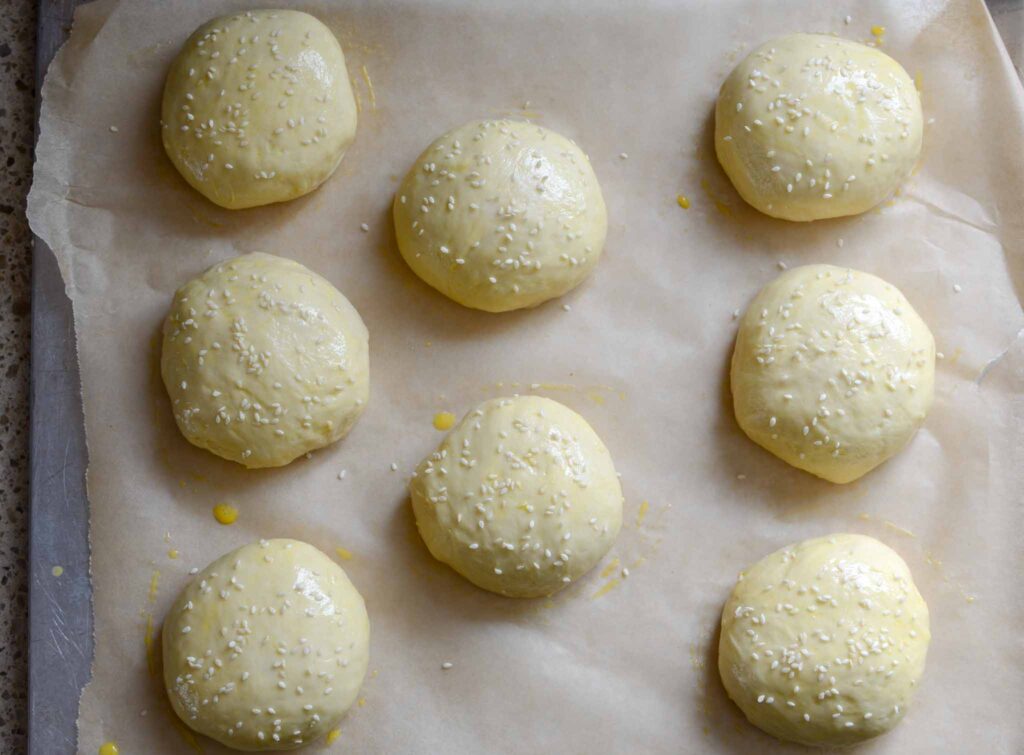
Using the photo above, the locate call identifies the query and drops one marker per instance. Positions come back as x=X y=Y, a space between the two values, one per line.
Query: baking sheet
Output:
x=628 y=665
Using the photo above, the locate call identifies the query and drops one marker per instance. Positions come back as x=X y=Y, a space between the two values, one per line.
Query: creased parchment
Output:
x=611 y=665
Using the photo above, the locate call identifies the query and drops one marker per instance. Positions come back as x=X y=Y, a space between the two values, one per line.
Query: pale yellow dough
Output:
x=833 y=371
x=258 y=107
x=264 y=361
x=810 y=126
x=824 y=642
x=521 y=498
x=501 y=215
x=267 y=647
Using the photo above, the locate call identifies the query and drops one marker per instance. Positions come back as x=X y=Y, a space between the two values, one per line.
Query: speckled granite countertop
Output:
x=17 y=54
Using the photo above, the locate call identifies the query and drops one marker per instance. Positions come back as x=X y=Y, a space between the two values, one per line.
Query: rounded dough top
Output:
x=811 y=126
x=521 y=498
x=264 y=361
x=267 y=647
x=258 y=107
x=833 y=371
x=824 y=642
x=500 y=215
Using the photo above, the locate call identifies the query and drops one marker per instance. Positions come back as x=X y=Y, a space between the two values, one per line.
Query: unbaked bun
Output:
x=824 y=642
x=500 y=215
x=811 y=126
x=258 y=107
x=833 y=371
x=521 y=498
x=264 y=361
x=267 y=647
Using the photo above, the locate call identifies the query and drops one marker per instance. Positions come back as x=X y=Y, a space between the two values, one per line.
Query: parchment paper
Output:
x=607 y=666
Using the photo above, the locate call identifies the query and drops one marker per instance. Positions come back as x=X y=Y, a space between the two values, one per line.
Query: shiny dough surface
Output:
x=500 y=215
x=812 y=126
x=521 y=498
x=264 y=361
x=266 y=648
x=824 y=642
x=833 y=371
x=258 y=108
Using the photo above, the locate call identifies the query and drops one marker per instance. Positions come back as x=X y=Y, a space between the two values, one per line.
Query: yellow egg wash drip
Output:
x=444 y=421
x=721 y=206
x=683 y=202
x=896 y=528
x=109 y=748
x=369 y=88
x=343 y=554
x=225 y=513
x=332 y=735
x=147 y=640
x=172 y=553
x=154 y=585
x=611 y=585
x=612 y=566
x=642 y=512
x=57 y=571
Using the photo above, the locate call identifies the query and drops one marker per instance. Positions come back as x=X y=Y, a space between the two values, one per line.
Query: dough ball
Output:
x=833 y=371
x=258 y=108
x=501 y=215
x=811 y=126
x=264 y=361
x=521 y=498
x=824 y=642
x=267 y=647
